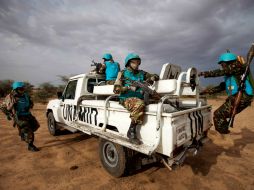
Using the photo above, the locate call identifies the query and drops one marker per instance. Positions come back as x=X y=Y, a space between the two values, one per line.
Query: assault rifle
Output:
x=242 y=85
x=145 y=89
x=96 y=65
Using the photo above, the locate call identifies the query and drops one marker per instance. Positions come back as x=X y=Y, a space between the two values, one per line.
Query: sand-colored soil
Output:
x=71 y=161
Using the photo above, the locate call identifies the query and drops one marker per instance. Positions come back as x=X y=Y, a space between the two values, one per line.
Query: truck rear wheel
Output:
x=113 y=157
x=52 y=124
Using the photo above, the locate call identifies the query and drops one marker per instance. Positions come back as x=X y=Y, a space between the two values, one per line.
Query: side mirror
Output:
x=59 y=95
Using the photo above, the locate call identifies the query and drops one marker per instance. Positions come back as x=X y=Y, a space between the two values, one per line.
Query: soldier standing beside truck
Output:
x=17 y=105
x=132 y=98
x=233 y=68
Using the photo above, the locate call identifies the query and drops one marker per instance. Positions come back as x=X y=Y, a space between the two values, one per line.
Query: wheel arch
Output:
x=48 y=111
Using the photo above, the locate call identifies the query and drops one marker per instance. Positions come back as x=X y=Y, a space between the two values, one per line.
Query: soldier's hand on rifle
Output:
x=152 y=79
x=119 y=89
x=101 y=68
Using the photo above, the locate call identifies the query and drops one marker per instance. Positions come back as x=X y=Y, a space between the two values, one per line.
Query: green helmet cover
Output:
x=17 y=84
x=225 y=57
x=107 y=56
x=131 y=56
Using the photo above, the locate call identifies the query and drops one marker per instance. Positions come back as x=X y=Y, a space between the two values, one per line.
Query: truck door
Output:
x=69 y=102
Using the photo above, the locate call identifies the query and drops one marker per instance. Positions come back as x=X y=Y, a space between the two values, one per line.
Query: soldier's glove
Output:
x=119 y=89
x=101 y=71
x=149 y=81
x=152 y=79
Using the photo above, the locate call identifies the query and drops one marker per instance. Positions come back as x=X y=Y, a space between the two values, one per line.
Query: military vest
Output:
x=232 y=86
x=112 y=69
x=128 y=75
x=23 y=105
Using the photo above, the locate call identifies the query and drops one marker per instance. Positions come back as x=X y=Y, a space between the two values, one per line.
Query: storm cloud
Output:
x=42 y=39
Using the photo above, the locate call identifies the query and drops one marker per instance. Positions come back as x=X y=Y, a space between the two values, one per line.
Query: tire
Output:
x=52 y=124
x=113 y=157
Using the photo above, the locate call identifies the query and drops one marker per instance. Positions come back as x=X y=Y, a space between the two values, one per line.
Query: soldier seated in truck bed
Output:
x=132 y=98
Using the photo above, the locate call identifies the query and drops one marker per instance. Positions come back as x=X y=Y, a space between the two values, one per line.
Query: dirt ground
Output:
x=226 y=162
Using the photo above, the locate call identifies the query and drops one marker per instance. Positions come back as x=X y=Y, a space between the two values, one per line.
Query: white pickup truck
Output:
x=173 y=126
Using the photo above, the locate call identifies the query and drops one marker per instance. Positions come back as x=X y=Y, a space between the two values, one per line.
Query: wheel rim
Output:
x=110 y=154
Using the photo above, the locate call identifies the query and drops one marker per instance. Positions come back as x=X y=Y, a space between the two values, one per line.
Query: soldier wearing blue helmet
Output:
x=110 y=68
x=17 y=105
x=232 y=69
x=132 y=98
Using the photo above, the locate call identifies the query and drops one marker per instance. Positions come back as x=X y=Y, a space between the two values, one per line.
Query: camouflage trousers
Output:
x=136 y=107
x=223 y=113
x=27 y=125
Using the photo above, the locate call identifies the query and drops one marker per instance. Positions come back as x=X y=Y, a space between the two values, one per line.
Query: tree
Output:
x=65 y=80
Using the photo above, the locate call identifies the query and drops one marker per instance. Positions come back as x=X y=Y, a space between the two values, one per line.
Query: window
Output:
x=70 y=90
x=91 y=83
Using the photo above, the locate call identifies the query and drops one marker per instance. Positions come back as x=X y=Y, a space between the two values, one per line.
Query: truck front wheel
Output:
x=52 y=124
x=113 y=157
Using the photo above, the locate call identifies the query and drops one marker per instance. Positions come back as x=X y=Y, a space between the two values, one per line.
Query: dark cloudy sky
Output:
x=40 y=39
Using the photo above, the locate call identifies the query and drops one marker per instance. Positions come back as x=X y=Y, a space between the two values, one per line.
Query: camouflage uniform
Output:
x=26 y=124
x=132 y=98
x=222 y=114
x=135 y=105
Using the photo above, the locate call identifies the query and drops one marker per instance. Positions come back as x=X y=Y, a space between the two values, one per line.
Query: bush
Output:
x=44 y=92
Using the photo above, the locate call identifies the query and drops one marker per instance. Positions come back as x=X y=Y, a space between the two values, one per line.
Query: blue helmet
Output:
x=131 y=56
x=227 y=57
x=17 y=84
x=107 y=56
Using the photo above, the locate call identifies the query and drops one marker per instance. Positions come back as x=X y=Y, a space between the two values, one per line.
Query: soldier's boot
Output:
x=222 y=129
x=132 y=135
x=32 y=147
